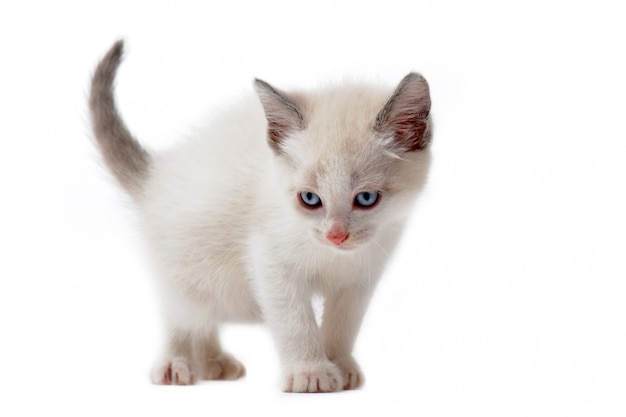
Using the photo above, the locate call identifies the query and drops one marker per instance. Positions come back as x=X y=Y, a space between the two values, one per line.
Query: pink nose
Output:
x=337 y=237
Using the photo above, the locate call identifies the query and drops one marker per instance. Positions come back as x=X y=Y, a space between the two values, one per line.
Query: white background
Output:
x=508 y=294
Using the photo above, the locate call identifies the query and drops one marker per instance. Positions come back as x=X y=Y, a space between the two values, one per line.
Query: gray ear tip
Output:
x=261 y=85
x=415 y=77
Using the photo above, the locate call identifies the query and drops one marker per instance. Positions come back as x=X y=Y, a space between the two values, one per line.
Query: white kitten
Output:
x=243 y=231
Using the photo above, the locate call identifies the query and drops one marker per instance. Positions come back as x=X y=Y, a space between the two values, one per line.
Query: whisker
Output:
x=393 y=229
x=378 y=245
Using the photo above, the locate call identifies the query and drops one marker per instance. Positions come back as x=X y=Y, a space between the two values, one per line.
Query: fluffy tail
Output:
x=128 y=161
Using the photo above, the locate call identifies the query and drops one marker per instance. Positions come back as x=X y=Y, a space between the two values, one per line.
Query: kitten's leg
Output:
x=289 y=314
x=343 y=314
x=176 y=368
x=213 y=362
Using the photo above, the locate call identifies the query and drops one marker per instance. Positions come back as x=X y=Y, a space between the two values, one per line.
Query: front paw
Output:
x=313 y=377
x=351 y=373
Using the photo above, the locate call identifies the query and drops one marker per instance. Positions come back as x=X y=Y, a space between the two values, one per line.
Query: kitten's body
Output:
x=232 y=241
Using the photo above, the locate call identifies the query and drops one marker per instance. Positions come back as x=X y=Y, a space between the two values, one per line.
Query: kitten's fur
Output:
x=232 y=239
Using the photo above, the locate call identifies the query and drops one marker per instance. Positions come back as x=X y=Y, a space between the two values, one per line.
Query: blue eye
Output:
x=366 y=199
x=310 y=200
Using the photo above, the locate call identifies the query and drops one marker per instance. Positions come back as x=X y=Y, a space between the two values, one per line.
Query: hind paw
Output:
x=223 y=367
x=176 y=371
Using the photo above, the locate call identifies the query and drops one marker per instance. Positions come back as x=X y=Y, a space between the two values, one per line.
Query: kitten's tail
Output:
x=127 y=160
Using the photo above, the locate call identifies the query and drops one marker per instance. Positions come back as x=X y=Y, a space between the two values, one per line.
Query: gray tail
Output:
x=128 y=161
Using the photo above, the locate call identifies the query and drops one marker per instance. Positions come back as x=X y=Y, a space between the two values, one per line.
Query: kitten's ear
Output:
x=282 y=114
x=405 y=115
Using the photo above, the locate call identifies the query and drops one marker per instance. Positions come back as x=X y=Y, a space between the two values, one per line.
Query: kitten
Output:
x=283 y=197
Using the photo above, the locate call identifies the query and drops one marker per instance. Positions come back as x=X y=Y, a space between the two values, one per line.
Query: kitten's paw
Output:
x=174 y=371
x=313 y=377
x=223 y=367
x=351 y=373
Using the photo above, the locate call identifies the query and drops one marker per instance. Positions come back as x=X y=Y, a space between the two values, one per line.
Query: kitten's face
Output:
x=347 y=191
x=351 y=159
x=339 y=195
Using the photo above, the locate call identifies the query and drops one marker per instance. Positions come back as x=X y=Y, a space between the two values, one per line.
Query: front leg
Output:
x=343 y=315
x=287 y=309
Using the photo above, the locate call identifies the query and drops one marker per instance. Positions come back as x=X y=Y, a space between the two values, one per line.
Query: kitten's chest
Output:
x=332 y=270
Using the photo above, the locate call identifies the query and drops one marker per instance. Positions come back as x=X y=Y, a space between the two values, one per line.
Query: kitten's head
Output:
x=351 y=158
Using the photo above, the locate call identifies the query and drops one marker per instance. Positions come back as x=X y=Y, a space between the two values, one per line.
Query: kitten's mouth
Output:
x=344 y=247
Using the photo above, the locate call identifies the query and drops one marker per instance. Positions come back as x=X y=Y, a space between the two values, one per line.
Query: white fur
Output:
x=231 y=243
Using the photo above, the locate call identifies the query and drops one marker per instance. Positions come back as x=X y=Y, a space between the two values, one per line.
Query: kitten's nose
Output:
x=337 y=237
